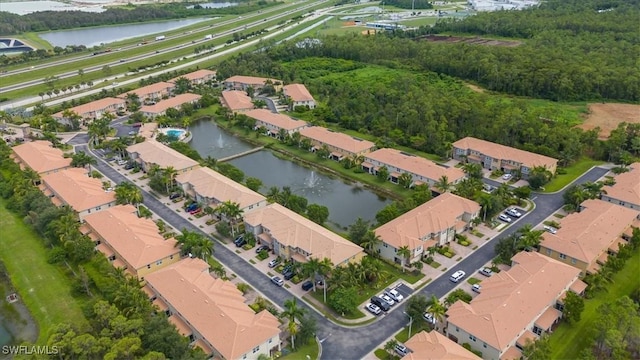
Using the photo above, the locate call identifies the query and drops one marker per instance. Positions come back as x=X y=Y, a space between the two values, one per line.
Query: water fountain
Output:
x=312 y=180
x=220 y=141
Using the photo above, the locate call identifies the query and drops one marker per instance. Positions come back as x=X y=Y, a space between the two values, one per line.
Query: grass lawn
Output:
x=417 y=327
x=383 y=355
x=473 y=281
x=302 y=352
x=356 y=314
x=44 y=288
x=573 y=172
x=567 y=341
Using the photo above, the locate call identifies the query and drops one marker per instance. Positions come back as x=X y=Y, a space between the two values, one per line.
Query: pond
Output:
x=210 y=140
x=27 y=7
x=106 y=34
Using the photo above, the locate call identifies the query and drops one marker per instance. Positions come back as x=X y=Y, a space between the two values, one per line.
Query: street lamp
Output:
x=410 y=323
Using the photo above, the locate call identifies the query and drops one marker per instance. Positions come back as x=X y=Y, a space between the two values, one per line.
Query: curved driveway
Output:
x=355 y=342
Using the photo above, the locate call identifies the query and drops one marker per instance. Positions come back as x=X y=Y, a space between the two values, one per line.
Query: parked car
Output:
x=476 y=288
x=195 y=211
x=550 y=229
x=394 y=294
x=429 y=318
x=191 y=207
x=129 y=166
x=513 y=212
x=486 y=271
x=262 y=248
x=277 y=280
x=380 y=303
x=401 y=349
x=307 y=285
x=240 y=241
x=174 y=196
x=387 y=299
x=273 y=263
x=504 y=218
x=122 y=162
x=507 y=177
x=373 y=308
x=132 y=132
x=457 y=276
x=289 y=275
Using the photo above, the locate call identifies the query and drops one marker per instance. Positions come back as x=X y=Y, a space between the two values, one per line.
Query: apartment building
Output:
x=160 y=108
x=586 y=238
x=340 y=145
x=299 y=96
x=130 y=242
x=40 y=156
x=151 y=152
x=198 y=77
x=236 y=100
x=240 y=82
x=626 y=191
x=494 y=156
x=212 y=312
x=274 y=122
x=434 y=223
x=435 y=346
x=153 y=92
x=521 y=303
x=292 y=236
x=92 y=110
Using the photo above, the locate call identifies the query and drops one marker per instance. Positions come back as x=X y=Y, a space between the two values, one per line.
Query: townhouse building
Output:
x=240 y=82
x=236 y=100
x=626 y=191
x=434 y=223
x=92 y=110
x=40 y=156
x=435 y=346
x=340 y=145
x=585 y=239
x=198 y=77
x=130 y=242
x=274 y=122
x=74 y=188
x=152 y=93
x=176 y=102
x=494 y=156
x=298 y=96
x=422 y=171
x=292 y=236
x=151 y=152
x=212 y=312
x=515 y=305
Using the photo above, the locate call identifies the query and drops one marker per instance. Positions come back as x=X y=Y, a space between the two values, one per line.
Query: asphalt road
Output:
x=340 y=342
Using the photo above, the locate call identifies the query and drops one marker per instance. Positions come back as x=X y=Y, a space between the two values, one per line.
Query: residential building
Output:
x=74 y=188
x=292 y=236
x=435 y=346
x=434 y=223
x=198 y=77
x=521 y=303
x=151 y=152
x=152 y=93
x=274 y=122
x=210 y=187
x=239 y=82
x=494 y=156
x=212 y=312
x=299 y=96
x=40 y=156
x=422 y=171
x=130 y=242
x=626 y=191
x=236 y=100
x=92 y=110
x=176 y=102
x=586 y=238
x=339 y=145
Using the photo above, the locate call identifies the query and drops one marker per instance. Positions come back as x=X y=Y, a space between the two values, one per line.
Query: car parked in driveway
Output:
x=273 y=263
x=550 y=229
x=277 y=280
x=429 y=318
x=373 y=308
x=262 y=248
x=307 y=285
x=240 y=241
x=486 y=271
x=507 y=177
x=504 y=218
x=394 y=294
x=174 y=196
x=476 y=288
x=513 y=212
x=401 y=349
x=387 y=299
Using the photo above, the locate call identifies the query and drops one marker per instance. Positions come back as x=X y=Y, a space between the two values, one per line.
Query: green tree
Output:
x=537 y=350
x=573 y=307
x=383 y=174
x=443 y=184
x=539 y=176
x=358 y=230
x=437 y=309
x=344 y=300
x=317 y=213
x=370 y=242
x=81 y=160
x=128 y=193
x=416 y=306
x=390 y=347
x=254 y=183
x=292 y=312
x=404 y=253
x=405 y=180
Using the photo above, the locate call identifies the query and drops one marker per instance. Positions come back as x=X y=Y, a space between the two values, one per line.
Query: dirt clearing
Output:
x=608 y=116
x=470 y=40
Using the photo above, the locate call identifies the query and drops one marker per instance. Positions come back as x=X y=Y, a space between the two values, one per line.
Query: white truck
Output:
x=208 y=37
x=161 y=37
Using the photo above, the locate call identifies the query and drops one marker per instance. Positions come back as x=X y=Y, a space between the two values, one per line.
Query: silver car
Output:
x=387 y=299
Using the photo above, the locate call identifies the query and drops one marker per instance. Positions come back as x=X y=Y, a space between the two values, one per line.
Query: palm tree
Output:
x=370 y=242
x=232 y=212
x=437 y=309
x=529 y=238
x=273 y=195
x=372 y=269
x=209 y=162
x=292 y=312
x=194 y=243
x=81 y=160
x=473 y=170
x=405 y=254
x=170 y=172
x=443 y=184
x=128 y=193
x=390 y=347
x=405 y=180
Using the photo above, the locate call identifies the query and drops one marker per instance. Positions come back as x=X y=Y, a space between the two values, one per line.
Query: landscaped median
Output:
x=44 y=288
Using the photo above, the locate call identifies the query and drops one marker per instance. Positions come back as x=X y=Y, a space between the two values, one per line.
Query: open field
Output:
x=471 y=40
x=567 y=341
x=44 y=288
x=419 y=21
x=573 y=172
x=608 y=116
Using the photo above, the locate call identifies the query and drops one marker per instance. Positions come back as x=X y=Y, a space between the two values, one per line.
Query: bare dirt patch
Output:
x=475 y=88
x=608 y=116
x=470 y=40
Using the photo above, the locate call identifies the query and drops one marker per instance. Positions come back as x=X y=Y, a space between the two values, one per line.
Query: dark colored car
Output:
x=175 y=196
x=380 y=303
x=192 y=207
x=262 y=248
x=240 y=241
x=289 y=275
x=307 y=285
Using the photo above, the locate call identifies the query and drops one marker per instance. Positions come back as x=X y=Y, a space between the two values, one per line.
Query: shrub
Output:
x=223 y=229
x=263 y=254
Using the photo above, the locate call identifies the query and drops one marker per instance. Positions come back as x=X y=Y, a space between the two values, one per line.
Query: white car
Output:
x=504 y=218
x=507 y=177
x=457 y=276
x=476 y=288
x=374 y=309
x=550 y=229
x=429 y=318
x=486 y=272
x=387 y=299
x=513 y=212
x=394 y=294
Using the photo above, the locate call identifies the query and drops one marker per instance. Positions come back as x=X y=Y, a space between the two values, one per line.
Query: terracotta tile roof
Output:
x=548 y=318
x=337 y=139
x=74 y=187
x=237 y=100
x=528 y=335
x=432 y=217
x=196 y=75
x=159 y=87
x=503 y=152
x=277 y=120
x=512 y=299
x=415 y=164
x=172 y=102
x=213 y=307
x=297 y=92
x=148 y=129
x=250 y=80
x=211 y=184
x=627 y=186
x=135 y=239
x=435 y=346
x=513 y=353
x=586 y=234
x=94 y=106
x=41 y=156
x=154 y=152
x=296 y=231
x=578 y=286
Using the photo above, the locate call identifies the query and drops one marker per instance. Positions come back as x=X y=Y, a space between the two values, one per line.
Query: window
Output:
x=270 y=341
x=457 y=329
x=244 y=356
x=159 y=262
x=537 y=330
x=256 y=349
x=149 y=266
x=562 y=256
x=484 y=345
x=171 y=257
x=472 y=338
x=98 y=208
x=573 y=261
x=548 y=251
x=385 y=245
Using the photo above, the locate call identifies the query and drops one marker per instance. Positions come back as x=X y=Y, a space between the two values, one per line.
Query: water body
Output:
x=103 y=35
x=346 y=202
x=210 y=140
x=27 y=7
x=214 y=5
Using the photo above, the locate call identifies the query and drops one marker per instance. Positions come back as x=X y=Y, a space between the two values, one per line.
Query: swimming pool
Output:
x=177 y=133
